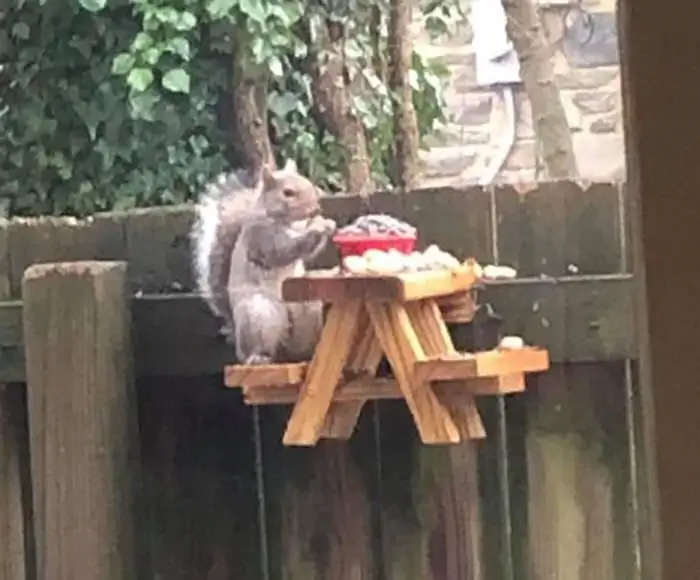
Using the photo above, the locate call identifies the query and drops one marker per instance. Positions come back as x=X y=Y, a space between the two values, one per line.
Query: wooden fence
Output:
x=551 y=492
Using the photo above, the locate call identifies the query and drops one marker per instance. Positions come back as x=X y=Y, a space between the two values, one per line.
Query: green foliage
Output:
x=101 y=110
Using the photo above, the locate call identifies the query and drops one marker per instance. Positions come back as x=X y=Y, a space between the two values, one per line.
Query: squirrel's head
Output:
x=288 y=195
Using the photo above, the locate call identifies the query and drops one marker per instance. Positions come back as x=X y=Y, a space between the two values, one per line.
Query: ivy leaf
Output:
x=123 y=63
x=185 y=21
x=180 y=46
x=21 y=31
x=219 y=8
x=93 y=5
x=167 y=14
x=140 y=79
x=177 y=81
x=287 y=13
x=254 y=10
x=275 y=66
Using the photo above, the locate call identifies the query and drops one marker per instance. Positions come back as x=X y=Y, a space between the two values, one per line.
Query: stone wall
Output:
x=586 y=63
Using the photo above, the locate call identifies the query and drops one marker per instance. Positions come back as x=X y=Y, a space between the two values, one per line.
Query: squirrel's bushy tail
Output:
x=214 y=233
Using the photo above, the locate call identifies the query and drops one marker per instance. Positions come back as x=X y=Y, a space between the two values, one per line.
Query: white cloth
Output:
x=496 y=59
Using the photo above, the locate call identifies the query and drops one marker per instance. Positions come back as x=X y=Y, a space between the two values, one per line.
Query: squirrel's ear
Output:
x=267 y=176
x=290 y=166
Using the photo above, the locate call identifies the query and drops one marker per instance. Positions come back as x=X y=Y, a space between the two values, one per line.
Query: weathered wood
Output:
x=329 y=286
x=482 y=364
x=158 y=248
x=264 y=375
x=82 y=417
x=567 y=440
x=559 y=229
x=15 y=511
x=54 y=239
x=321 y=503
x=430 y=504
x=572 y=514
x=337 y=338
x=387 y=389
x=576 y=319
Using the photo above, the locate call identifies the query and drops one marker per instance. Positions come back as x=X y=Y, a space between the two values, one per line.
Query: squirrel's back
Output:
x=216 y=227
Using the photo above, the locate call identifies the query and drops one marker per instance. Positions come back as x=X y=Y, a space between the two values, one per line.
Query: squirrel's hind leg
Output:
x=260 y=324
x=305 y=324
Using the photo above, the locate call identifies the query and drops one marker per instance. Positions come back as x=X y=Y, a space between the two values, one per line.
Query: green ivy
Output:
x=101 y=110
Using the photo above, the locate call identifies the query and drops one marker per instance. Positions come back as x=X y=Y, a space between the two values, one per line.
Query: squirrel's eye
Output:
x=288 y=192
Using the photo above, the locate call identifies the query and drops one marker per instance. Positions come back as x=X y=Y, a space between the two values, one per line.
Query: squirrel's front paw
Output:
x=323 y=225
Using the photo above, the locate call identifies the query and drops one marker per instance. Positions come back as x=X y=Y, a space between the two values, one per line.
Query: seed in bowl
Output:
x=378 y=224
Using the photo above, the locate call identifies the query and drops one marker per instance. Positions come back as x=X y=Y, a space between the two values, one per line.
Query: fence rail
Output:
x=579 y=319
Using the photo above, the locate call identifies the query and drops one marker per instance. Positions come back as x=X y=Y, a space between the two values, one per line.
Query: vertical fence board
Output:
x=82 y=417
x=320 y=503
x=200 y=495
x=567 y=437
x=157 y=248
x=433 y=524
x=14 y=509
x=559 y=229
x=52 y=239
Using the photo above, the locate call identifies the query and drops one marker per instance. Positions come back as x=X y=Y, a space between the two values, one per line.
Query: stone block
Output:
x=523 y=155
x=463 y=76
x=595 y=102
x=474 y=109
x=591 y=39
x=600 y=157
x=586 y=78
x=448 y=161
x=605 y=123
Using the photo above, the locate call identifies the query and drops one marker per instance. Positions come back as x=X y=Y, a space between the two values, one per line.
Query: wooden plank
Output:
x=576 y=319
x=559 y=229
x=570 y=469
x=436 y=341
x=402 y=348
x=158 y=248
x=388 y=389
x=329 y=286
x=457 y=308
x=456 y=219
x=364 y=359
x=324 y=373
x=567 y=441
x=15 y=511
x=264 y=375
x=82 y=412
x=482 y=364
x=51 y=239
x=321 y=503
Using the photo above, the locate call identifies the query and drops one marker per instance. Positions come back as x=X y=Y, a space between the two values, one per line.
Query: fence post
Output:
x=13 y=458
x=82 y=419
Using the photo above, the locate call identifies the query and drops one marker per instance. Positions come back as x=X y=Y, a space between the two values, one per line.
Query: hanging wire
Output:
x=260 y=485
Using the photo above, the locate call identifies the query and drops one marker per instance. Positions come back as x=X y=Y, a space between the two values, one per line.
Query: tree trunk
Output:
x=537 y=72
x=406 y=164
x=331 y=98
x=375 y=35
x=250 y=134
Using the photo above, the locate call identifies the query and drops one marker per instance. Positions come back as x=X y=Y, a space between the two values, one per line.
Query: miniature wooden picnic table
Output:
x=402 y=317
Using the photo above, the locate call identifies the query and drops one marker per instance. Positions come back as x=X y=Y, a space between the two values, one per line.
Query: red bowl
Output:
x=353 y=245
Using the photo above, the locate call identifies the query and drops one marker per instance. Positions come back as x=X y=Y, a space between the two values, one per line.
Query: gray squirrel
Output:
x=247 y=238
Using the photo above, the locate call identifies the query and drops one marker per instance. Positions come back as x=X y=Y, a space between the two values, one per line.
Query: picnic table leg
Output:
x=364 y=359
x=403 y=348
x=325 y=370
x=435 y=339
